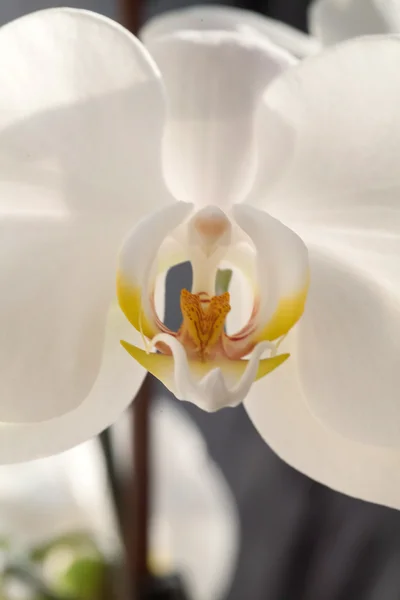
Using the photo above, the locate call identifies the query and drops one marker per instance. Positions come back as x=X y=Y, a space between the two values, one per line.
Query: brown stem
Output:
x=138 y=497
x=141 y=460
x=130 y=14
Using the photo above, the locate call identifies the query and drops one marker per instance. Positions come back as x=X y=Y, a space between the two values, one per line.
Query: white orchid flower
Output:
x=81 y=162
x=257 y=172
x=227 y=18
x=333 y=21
x=45 y=499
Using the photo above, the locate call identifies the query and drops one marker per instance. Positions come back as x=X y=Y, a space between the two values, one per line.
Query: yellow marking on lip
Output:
x=204 y=319
x=162 y=366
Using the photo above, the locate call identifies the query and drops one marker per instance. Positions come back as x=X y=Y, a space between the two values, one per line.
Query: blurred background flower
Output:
x=194 y=527
x=332 y=21
x=57 y=518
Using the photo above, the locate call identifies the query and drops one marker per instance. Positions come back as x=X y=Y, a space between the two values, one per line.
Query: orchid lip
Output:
x=201 y=361
x=211 y=391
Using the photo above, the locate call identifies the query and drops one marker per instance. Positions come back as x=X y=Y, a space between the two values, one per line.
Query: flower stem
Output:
x=138 y=496
x=138 y=555
x=105 y=439
x=130 y=14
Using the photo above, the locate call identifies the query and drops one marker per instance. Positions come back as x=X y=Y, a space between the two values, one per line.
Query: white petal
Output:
x=86 y=474
x=214 y=81
x=341 y=182
x=369 y=240
x=118 y=381
x=77 y=94
x=227 y=18
x=282 y=271
x=338 y=180
x=332 y=21
x=348 y=352
x=332 y=411
x=137 y=265
x=81 y=98
x=341 y=174
x=278 y=408
x=44 y=499
x=333 y=128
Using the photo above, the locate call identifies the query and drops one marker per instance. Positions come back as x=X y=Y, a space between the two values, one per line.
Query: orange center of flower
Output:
x=204 y=319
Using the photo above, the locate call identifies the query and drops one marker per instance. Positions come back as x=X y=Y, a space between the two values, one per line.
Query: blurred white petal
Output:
x=195 y=527
x=333 y=21
x=228 y=18
x=44 y=499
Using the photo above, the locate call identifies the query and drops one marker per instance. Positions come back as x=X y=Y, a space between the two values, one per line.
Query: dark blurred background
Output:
x=299 y=540
x=290 y=11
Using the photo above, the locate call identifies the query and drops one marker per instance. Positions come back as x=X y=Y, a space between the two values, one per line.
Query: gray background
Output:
x=300 y=541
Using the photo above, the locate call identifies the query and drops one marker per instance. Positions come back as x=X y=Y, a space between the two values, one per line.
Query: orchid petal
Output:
x=331 y=411
x=348 y=352
x=137 y=269
x=78 y=91
x=119 y=379
x=283 y=273
x=339 y=183
x=341 y=195
x=333 y=21
x=228 y=18
x=81 y=105
x=214 y=82
x=333 y=122
x=278 y=409
x=209 y=385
